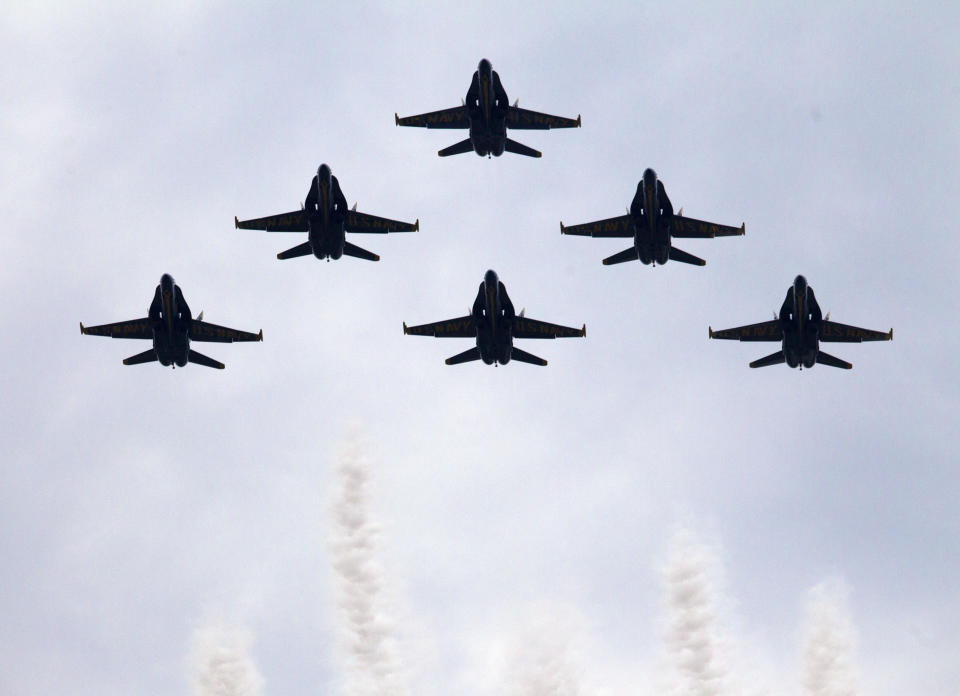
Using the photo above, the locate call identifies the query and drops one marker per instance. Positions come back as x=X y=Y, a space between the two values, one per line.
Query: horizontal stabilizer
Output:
x=458 y=149
x=465 y=356
x=826 y=359
x=777 y=358
x=625 y=255
x=201 y=359
x=304 y=249
x=355 y=251
x=524 y=356
x=684 y=257
x=519 y=149
x=141 y=358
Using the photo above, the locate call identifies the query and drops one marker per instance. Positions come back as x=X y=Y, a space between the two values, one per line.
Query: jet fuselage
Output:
x=326 y=209
x=170 y=319
x=486 y=105
x=800 y=318
x=493 y=314
x=652 y=214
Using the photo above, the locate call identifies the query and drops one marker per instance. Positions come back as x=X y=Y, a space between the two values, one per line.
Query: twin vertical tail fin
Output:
x=520 y=149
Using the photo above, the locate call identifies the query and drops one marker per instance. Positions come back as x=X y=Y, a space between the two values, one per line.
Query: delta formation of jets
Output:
x=492 y=322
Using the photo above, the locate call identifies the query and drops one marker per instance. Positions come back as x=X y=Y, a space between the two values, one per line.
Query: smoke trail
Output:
x=222 y=665
x=693 y=636
x=543 y=659
x=366 y=634
x=829 y=644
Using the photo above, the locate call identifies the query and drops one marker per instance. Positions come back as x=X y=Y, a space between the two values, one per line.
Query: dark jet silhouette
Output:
x=651 y=222
x=494 y=324
x=487 y=113
x=325 y=218
x=800 y=328
x=171 y=327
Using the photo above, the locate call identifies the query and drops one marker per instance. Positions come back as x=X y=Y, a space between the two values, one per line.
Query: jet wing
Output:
x=461 y=327
x=284 y=222
x=531 y=328
x=362 y=222
x=690 y=227
x=135 y=328
x=445 y=118
x=524 y=119
x=611 y=227
x=764 y=331
x=202 y=331
x=833 y=332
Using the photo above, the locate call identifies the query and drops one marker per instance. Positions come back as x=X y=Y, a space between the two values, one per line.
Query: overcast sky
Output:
x=527 y=515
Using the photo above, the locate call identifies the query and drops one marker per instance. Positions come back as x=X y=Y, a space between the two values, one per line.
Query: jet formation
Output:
x=651 y=222
x=487 y=112
x=325 y=218
x=171 y=326
x=800 y=328
x=493 y=323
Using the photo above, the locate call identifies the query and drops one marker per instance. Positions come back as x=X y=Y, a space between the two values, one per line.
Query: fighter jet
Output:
x=171 y=327
x=325 y=218
x=651 y=222
x=493 y=324
x=800 y=328
x=487 y=113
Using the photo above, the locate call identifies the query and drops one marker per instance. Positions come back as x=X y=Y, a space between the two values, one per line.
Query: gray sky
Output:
x=138 y=505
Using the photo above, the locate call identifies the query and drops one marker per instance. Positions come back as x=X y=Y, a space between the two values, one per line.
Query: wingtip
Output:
x=583 y=331
x=578 y=120
x=416 y=225
x=82 y=331
x=563 y=230
x=710 y=329
x=396 y=118
x=447 y=362
x=889 y=334
x=405 y=331
x=743 y=228
x=236 y=222
x=260 y=335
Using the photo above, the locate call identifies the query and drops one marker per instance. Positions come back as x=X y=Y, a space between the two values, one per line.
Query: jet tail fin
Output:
x=625 y=255
x=826 y=359
x=524 y=356
x=201 y=359
x=458 y=149
x=304 y=249
x=141 y=358
x=684 y=257
x=353 y=250
x=777 y=358
x=520 y=149
x=465 y=356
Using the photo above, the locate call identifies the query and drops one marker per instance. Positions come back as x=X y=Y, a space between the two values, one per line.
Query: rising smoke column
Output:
x=221 y=663
x=693 y=636
x=830 y=642
x=373 y=669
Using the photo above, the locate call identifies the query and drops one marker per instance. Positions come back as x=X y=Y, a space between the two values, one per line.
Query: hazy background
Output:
x=528 y=516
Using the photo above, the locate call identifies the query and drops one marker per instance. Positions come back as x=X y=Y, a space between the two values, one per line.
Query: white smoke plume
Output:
x=693 y=636
x=221 y=663
x=543 y=659
x=829 y=667
x=366 y=632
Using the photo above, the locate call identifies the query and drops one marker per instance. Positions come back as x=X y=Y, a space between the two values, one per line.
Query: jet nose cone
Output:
x=800 y=281
x=485 y=66
x=649 y=175
x=323 y=172
x=166 y=280
x=490 y=278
